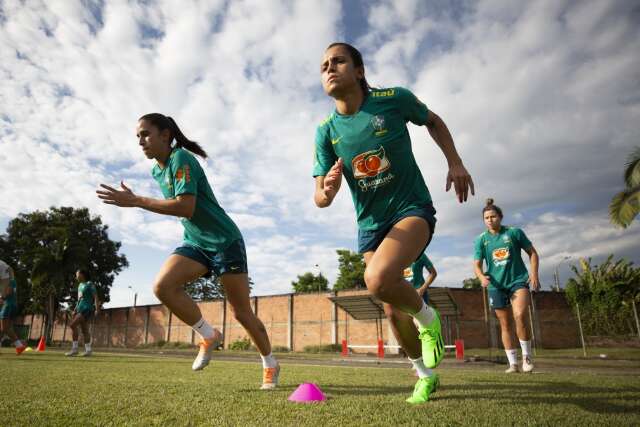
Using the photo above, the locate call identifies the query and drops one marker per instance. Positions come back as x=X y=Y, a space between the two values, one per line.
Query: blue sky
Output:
x=542 y=98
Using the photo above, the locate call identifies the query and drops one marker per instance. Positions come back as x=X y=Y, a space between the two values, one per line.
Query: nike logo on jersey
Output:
x=335 y=141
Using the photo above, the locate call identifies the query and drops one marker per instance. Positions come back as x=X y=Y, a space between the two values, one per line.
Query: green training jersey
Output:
x=210 y=228
x=379 y=165
x=12 y=299
x=501 y=253
x=414 y=273
x=86 y=294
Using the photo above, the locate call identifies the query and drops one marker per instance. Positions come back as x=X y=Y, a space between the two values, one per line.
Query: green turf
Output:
x=107 y=389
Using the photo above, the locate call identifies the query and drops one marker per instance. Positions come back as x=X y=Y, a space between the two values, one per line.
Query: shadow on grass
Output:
x=591 y=399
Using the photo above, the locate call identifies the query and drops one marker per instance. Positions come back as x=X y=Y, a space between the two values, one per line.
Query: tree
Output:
x=350 y=270
x=208 y=288
x=471 y=283
x=626 y=204
x=605 y=294
x=45 y=248
x=309 y=282
x=205 y=289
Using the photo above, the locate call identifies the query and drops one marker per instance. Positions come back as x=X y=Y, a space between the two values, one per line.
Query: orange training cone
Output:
x=41 y=344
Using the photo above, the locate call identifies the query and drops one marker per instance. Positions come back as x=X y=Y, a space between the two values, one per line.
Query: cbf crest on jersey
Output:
x=378 y=124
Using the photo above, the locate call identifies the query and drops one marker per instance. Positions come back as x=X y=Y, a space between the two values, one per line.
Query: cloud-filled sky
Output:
x=542 y=98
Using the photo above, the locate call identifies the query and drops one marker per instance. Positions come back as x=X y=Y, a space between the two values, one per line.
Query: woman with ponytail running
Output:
x=366 y=141
x=212 y=242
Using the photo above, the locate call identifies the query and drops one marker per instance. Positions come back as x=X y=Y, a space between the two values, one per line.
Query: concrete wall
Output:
x=298 y=320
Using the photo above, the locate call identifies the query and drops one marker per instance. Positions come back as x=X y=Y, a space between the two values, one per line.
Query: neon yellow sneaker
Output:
x=432 y=342
x=424 y=388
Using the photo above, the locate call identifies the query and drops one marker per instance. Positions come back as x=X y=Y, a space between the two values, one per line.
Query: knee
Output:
x=519 y=317
x=377 y=281
x=505 y=323
x=161 y=289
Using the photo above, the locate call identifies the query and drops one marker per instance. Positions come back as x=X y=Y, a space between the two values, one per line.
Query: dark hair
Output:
x=163 y=122
x=491 y=207
x=356 y=57
x=84 y=273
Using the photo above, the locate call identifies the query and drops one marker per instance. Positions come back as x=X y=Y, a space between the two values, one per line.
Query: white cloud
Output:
x=526 y=90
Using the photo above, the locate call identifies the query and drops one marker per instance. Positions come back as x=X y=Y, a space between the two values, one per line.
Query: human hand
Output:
x=124 y=198
x=461 y=180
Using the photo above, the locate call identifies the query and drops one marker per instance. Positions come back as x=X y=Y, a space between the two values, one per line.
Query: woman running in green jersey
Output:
x=212 y=241
x=88 y=305
x=9 y=305
x=415 y=276
x=366 y=140
x=508 y=281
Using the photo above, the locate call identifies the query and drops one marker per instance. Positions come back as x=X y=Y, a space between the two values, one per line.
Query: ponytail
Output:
x=163 y=122
x=491 y=207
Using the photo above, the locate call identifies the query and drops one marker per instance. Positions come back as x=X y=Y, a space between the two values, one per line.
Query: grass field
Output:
x=116 y=389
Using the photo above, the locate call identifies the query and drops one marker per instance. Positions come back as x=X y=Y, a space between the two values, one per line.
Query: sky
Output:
x=542 y=99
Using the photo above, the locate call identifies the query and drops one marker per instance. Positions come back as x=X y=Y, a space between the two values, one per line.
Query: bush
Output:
x=327 y=348
x=280 y=349
x=604 y=293
x=241 y=344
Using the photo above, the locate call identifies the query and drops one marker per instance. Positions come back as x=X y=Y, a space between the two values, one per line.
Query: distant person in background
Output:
x=9 y=303
x=87 y=306
x=507 y=281
x=415 y=276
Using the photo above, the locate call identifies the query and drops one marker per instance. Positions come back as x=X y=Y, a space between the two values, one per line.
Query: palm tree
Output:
x=626 y=204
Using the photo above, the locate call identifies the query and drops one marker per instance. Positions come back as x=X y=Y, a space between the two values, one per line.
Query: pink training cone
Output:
x=307 y=392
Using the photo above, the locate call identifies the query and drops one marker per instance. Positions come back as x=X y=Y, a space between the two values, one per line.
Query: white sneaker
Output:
x=512 y=369
x=206 y=349
x=73 y=352
x=87 y=353
x=527 y=364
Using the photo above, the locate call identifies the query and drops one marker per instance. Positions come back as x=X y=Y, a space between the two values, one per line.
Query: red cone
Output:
x=41 y=345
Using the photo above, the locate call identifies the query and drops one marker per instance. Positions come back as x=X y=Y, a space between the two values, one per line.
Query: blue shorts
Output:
x=232 y=260
x=501 y=297
x=370 y=240
x=8 y=311
x=87 y=313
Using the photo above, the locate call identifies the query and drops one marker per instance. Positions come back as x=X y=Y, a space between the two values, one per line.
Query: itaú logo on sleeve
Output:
x=370 y=163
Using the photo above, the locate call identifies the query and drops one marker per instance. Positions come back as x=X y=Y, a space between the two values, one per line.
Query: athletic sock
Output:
x=203 y=328
x=526 y=348
x=269 y=361
x=18 y=343
x=512 y=355
x=418 y=365
x=74 y=345
x=87 y=347
x=425 y=316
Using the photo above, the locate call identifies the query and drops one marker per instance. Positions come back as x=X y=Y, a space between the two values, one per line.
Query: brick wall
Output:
x=298 y=320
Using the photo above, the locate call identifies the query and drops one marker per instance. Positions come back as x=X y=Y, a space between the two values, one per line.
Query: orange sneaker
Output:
x=270 y=377
x=206 y=349
x=20 y=349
